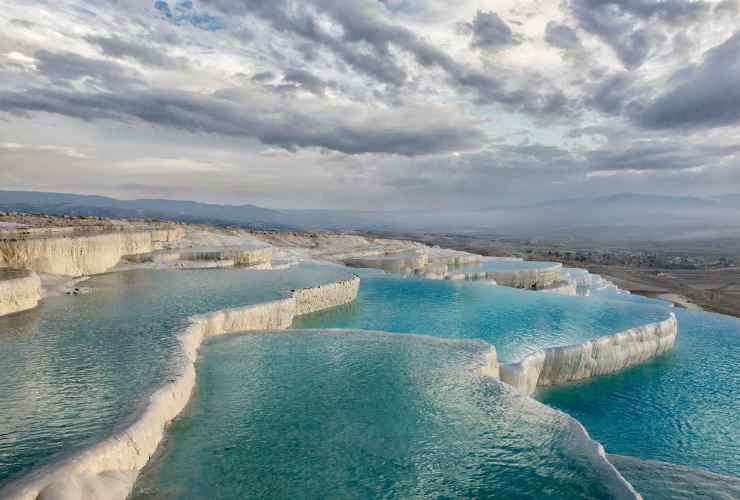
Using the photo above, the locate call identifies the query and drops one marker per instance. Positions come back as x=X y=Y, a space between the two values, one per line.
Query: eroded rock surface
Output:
x=559 y=365
x=19 y=291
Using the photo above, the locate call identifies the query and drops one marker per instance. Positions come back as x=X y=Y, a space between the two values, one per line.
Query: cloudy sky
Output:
x=370 y=103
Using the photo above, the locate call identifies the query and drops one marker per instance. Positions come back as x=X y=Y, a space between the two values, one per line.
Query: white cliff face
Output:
x=402 y=263
x=81 y=255
x=208 y=257
x=107 y=470
x=420 y=260
x=569 y=288
x=491 y=367
x=524 y=278
x=322 y=297
x=19 y=291
x=559 y=365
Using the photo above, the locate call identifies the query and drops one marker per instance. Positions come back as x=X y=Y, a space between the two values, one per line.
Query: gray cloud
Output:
x=613 y=93
x=305 y=80
x=703 y=95
x=727 y=8
x=63 y=68
x=22 y=23
x=633 y=27
x=562 y=36
x=207 y=114
x=488 y=31
x=658 y=156
x=263 y=76
x=363 y=28
x=117 y=47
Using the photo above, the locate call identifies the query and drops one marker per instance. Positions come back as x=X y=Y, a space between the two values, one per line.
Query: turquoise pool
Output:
x=79 y=366
x=681 y=408
x=76 y=367
x=516 y=322
x=340 y=414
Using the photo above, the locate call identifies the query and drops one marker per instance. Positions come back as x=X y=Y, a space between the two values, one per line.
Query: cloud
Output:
x=613 y=93
x=384 y=94
x=702 y=95
x=642 y=156
x=119 y=48
x=263 y=76
x=208 y=114
x=634 y=28
x=65 y=68
x=67 y=151
x=729 y=8
x=298 y=79
x=562 y=36
x=364 y=39
x=488 y=31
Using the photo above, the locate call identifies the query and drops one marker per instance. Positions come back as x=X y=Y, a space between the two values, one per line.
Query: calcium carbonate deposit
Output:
x=19 y=290
x=336 y=406
x=83 y=254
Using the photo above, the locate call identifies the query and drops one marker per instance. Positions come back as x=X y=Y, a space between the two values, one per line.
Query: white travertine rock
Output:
x=407 y=262
x=558 y=365
x=19 y=291
x=569 y=288
x=420 y=260
x=208 y=257
x=82 y=254
x=107 y=470
x=491 y=366
x=317 y=298
x=525 y=374
x=524 y=278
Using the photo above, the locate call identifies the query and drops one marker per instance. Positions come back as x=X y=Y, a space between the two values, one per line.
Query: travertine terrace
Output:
x=559 y=365
x=75 y=252
x=108 y=469
x=19 y=291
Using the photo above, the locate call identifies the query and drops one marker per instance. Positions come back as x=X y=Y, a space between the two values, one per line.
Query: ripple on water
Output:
x=76 y=367
x=342 y=414
x=680 y=408
x=517 y=322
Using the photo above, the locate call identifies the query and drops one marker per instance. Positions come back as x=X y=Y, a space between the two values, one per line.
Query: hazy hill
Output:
x=624 y=216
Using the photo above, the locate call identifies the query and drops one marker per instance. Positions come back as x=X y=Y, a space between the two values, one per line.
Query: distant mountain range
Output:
x=102 y=206
x=624 y=200
x=620 y=216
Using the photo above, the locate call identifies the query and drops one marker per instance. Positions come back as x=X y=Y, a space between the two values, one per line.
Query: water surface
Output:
x=516 y=322
x=311 y=414
x=682 y=407
x=77 y=366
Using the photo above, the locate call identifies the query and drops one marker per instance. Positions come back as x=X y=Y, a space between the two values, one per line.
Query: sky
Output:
x=370 y=104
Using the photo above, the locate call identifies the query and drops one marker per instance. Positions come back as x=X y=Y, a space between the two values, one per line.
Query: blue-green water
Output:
x=683 y=407
x=307 y=414
x=662 y=480
x=76 y=367
x=516 y=322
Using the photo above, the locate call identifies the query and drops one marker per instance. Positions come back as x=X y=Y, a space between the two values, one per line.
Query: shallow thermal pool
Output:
x=339 y=414
x=683 y=407
x=516 y=322
x=349 y=414
x=76 y=367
